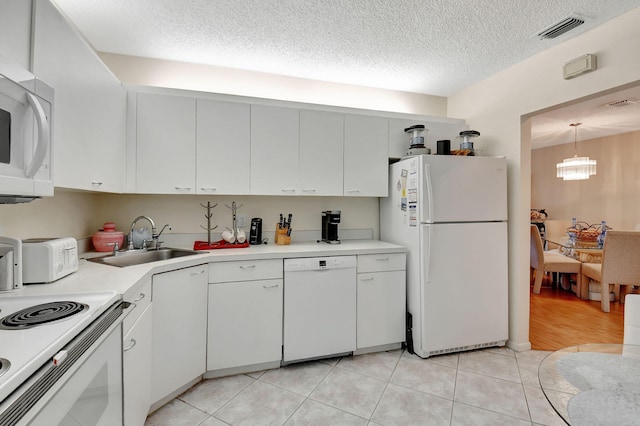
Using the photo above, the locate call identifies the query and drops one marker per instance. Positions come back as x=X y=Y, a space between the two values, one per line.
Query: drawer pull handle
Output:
x=96 y=183
x=382 y=259
x=288 y=190
x=139 y=298
x=193 y=274
x=204 y=188
x=353 y=191
x=182 y=188
x=247 y=266
x=308 y=190
x=133 y=343
x=367 y=279
x=271 y=286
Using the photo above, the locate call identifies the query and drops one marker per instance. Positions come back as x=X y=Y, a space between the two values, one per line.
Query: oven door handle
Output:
x=127 y=308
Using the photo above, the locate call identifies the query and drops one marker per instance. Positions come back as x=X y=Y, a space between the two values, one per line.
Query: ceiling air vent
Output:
x=621 y=103
x=559 y=28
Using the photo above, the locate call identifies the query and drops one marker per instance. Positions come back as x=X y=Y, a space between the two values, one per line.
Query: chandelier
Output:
x=576 y=168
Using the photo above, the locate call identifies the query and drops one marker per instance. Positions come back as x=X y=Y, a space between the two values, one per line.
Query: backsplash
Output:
x=80 y=214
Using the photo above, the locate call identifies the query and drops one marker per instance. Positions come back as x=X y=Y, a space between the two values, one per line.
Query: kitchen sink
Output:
x=144 y=256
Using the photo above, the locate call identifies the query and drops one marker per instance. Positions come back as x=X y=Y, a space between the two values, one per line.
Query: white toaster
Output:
x=48 y=259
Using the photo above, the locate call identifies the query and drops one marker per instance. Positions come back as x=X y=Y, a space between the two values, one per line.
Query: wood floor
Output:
x=558 y=318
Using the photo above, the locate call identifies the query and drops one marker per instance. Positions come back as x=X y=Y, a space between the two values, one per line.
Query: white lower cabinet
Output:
x=137 y=369
x=179 y=329
x=381 y=300
x=245 y=316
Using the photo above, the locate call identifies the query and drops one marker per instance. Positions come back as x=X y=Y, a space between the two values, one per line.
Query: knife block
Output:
x=281 y=236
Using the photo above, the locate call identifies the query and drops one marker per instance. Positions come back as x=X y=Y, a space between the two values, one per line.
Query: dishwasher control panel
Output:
x=317 y=263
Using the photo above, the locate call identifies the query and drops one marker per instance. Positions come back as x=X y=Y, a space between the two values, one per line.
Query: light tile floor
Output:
x=495 y=386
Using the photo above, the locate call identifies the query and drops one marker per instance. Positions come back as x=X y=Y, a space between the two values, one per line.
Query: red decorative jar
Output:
x=103 y=239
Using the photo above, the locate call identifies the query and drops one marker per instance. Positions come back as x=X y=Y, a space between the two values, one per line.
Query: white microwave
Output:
x=26 y=107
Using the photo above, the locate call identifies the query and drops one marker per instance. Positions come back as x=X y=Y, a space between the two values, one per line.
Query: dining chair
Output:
x=632 y=320
x=549 y=261
x=620 y=265
x=556 y=230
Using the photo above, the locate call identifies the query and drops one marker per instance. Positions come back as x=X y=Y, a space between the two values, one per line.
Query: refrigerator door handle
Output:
x=429 y=190
x=427 y=258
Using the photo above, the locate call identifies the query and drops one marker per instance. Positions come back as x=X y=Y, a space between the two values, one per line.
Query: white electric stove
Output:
x=34 y=329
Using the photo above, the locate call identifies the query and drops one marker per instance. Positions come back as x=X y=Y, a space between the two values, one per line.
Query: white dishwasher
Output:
x=319 y=307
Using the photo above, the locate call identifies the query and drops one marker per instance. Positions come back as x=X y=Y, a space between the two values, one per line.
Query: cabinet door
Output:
x=179 y=329
x=245 y=323
x=223 y=148
x=165 y=144
x=321 y=156
x=274 y=150
x=15 y=31
x=381 y=308
x=137 y=369
x=89 y=120
x=366 y=156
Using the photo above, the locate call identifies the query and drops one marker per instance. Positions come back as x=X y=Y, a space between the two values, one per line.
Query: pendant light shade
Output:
x=576 y=168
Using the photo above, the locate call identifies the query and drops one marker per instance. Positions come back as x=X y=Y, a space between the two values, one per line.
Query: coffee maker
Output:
x=255 y=233
x=330 y=221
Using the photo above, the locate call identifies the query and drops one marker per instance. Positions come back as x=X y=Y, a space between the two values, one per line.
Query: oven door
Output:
x=81 y=385
x=92 y=394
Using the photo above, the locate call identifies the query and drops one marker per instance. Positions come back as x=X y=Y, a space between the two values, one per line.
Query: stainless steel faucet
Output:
x=154 y=236
x=133 y=224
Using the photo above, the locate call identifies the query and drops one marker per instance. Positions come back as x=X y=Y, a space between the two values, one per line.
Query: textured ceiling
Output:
x=436 y=47
x=598 y=118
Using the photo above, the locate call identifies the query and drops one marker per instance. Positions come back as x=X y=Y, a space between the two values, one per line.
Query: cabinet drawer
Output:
x=246 y=270
x=140 y=295
x=381 y=262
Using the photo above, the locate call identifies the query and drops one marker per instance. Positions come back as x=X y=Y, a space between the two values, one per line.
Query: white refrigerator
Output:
x=451 y=214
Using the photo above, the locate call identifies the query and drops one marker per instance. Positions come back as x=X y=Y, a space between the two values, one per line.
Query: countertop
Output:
x=92 y=277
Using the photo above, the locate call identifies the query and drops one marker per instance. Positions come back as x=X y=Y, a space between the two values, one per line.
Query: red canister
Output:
x=103 y=239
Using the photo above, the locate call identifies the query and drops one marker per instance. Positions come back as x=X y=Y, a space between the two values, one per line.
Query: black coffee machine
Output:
x=255 y=233
x=330 y=221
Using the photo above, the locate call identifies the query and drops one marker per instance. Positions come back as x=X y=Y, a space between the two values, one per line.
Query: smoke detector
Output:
x=561 y=27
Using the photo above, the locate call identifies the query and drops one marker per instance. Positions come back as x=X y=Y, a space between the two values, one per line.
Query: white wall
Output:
x=500 y=106
x=66 y=214
x=135 y=71
x=613 y=194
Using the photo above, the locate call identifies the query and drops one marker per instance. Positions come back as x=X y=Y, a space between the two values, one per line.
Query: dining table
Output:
x=585 y=252
x=593 y=384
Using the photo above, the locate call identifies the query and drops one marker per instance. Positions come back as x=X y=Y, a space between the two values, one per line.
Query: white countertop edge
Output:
x=92 y=277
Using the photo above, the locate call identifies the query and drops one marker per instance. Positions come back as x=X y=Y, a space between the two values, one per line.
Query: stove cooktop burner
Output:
x=41 y=314
x=4 y=366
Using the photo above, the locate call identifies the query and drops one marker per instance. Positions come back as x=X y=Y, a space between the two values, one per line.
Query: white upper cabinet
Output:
x=321 y=153
x=275 y=133
x=165 y=144
x=223 y=140
x=15 y=31
x=366 y=156
x=89 y=120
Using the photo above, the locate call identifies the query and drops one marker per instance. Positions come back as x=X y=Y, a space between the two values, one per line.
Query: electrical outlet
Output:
x=241 y=221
